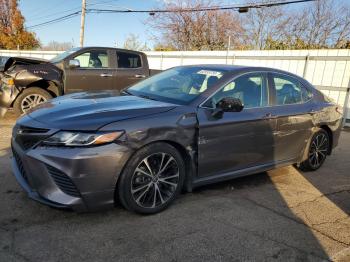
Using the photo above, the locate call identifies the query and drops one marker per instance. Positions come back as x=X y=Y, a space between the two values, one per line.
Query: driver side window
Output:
x=251 y=89
x=93 y=59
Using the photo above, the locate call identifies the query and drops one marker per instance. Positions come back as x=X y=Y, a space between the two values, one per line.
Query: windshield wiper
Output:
x=124 y=91
x=147 y=97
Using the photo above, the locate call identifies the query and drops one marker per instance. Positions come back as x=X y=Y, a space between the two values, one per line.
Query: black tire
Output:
x=158 y=188
x=317 y=151
x=29 y=93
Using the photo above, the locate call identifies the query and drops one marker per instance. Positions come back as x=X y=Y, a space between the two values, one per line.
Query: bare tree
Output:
x=132 y=42
x=207 y=30
x=58 y=46
x=323 y=24
x=263 y=25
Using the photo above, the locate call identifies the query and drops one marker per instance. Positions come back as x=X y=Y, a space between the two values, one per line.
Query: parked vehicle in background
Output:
x=180 y=129
x=3 y=60
x=27 y=82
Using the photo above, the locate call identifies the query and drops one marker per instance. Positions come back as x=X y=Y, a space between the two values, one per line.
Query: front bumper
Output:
x=7 y=95
x=81 y=179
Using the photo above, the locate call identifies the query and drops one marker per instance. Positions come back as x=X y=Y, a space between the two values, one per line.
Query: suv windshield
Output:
x=63 y=55
x=179 y=85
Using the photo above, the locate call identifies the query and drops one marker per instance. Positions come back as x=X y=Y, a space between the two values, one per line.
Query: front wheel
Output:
x=152 y=179
x=29 y=98
x=318 y=150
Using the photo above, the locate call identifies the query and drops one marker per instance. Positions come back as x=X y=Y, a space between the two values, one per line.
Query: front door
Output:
x=237 y=140
x=95 y=72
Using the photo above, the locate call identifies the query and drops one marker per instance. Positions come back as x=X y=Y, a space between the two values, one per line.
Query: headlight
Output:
x=65 y=138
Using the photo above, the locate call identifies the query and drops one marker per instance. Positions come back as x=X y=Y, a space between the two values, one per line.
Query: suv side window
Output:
x=93 y=59
x=288 y=90
x=251 y=89
x=128 y=60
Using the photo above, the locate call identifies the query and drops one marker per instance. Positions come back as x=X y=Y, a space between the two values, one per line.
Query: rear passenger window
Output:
x=288 y=90
x=306 y=94
x=128 y=60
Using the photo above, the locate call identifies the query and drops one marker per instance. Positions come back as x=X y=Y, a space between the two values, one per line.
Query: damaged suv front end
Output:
x=21 y=73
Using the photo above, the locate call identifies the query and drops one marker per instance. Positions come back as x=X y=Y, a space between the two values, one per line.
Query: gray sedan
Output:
x=183 y=128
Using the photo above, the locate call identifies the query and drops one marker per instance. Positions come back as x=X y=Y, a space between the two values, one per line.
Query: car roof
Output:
x=109 y=48
x=241 y=69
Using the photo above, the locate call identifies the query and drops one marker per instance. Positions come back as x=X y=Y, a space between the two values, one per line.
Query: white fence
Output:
x=328 y=70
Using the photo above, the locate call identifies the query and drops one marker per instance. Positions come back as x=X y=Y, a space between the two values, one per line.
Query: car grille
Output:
x=20 y=165
x=63 y=181
x=28 y=137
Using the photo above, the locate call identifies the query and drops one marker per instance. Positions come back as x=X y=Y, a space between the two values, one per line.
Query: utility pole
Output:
x=82 y=22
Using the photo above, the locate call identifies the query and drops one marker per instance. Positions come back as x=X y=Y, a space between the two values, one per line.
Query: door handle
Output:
x=312 y=112
x=105 y=75
x=140 y=76
x=269 y=116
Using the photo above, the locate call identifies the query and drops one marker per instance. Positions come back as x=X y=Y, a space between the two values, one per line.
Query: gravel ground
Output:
x=281 y=215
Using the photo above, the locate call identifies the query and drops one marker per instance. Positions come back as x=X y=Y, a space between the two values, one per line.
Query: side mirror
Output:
x=228 y=104
x=74 y=63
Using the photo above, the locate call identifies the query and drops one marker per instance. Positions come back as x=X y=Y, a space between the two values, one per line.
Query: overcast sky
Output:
x=101 y=29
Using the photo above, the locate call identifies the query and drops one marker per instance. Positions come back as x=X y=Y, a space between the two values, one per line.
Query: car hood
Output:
x=23 y=61
x=91 y=111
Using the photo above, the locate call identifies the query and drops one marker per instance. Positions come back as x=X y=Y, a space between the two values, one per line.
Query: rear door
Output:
x=95 y=71
x=293 y=107
x=237 y=140
x=131 y=68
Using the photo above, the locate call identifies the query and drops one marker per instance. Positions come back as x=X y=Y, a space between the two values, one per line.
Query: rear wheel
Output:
x=29 y=98
x=152 y=179
x=317 y=153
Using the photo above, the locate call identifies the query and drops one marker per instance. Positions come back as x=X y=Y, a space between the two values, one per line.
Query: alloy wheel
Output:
x=31 y=101
x=155 y=180
x=318 y=150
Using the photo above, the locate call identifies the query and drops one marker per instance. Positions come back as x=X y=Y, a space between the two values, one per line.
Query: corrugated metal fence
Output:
x=328 y=70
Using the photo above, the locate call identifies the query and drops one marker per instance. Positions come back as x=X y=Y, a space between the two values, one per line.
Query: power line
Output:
x=238 y=7
x=56 y=20
x=202 y=9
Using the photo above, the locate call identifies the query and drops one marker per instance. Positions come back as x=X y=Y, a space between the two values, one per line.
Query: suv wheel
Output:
x=152 y=179
x=29 y=98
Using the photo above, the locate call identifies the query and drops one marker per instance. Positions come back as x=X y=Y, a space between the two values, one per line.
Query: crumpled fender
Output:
x=26 y=71
x=24 y=75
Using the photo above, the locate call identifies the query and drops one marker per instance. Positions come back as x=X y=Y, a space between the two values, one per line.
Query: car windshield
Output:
x=63 y=55
x=179 y=85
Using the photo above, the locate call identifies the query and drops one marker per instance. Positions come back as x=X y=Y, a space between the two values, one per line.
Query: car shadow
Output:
x=333 y=178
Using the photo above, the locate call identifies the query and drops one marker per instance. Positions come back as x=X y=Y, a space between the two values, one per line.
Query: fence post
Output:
x=345 y=107
x=233 y=59
x=161 y=61
x=307 y=58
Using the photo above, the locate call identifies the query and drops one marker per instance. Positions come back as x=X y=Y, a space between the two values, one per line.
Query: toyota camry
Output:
x=185 y=127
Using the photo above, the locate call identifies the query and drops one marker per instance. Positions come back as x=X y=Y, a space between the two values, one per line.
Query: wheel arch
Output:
x=187 y=156
x=49 y=86
x=330 y=136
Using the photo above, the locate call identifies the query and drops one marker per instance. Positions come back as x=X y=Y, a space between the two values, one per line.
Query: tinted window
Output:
x=288 y=90
x=93 y=59
x=179 y=85
x=250 y=89
x=128 y=60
